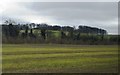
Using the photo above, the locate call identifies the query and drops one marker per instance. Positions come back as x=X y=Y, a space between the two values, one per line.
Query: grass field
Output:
x=59 y=58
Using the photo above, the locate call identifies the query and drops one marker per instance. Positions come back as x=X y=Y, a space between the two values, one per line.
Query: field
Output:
x=42 y=58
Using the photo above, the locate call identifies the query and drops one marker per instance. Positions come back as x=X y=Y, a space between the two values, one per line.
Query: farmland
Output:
x=57 y=58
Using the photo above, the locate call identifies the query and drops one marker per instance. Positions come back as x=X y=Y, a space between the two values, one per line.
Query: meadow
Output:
x=59 y=58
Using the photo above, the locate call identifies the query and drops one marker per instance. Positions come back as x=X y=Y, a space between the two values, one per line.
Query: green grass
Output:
x=59 y=58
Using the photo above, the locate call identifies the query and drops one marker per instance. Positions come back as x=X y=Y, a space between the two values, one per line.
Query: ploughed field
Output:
x=52 y=58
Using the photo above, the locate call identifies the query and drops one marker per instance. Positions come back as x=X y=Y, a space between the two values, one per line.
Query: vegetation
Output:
x=42 y=48
x=57 y=58
x=43 y=33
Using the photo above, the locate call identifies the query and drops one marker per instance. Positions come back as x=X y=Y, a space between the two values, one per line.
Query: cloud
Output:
x=96 y=14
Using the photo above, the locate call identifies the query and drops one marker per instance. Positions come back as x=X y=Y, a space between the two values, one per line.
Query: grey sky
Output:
x=97 y=14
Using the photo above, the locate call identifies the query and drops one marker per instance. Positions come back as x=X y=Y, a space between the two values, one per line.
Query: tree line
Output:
x=45 y=34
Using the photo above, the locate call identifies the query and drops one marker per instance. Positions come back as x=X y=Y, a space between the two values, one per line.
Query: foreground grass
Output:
x=59 y=58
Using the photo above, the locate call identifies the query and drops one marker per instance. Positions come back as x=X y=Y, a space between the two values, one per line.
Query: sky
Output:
x=95 y=14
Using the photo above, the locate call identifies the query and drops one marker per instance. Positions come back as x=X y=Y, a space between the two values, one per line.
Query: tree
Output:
x=71 y=34
x=31 y=31
x=9 y=21
x=78 y=36
x=63 y=35
x=43 y=33
x=67 y=28
x=12 y=30
x=26 y=30
x=56 y=27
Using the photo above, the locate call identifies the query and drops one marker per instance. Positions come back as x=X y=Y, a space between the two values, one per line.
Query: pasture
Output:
x=56 y=58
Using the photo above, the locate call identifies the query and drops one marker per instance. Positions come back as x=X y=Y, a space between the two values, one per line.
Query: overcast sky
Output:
x=96 y=14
